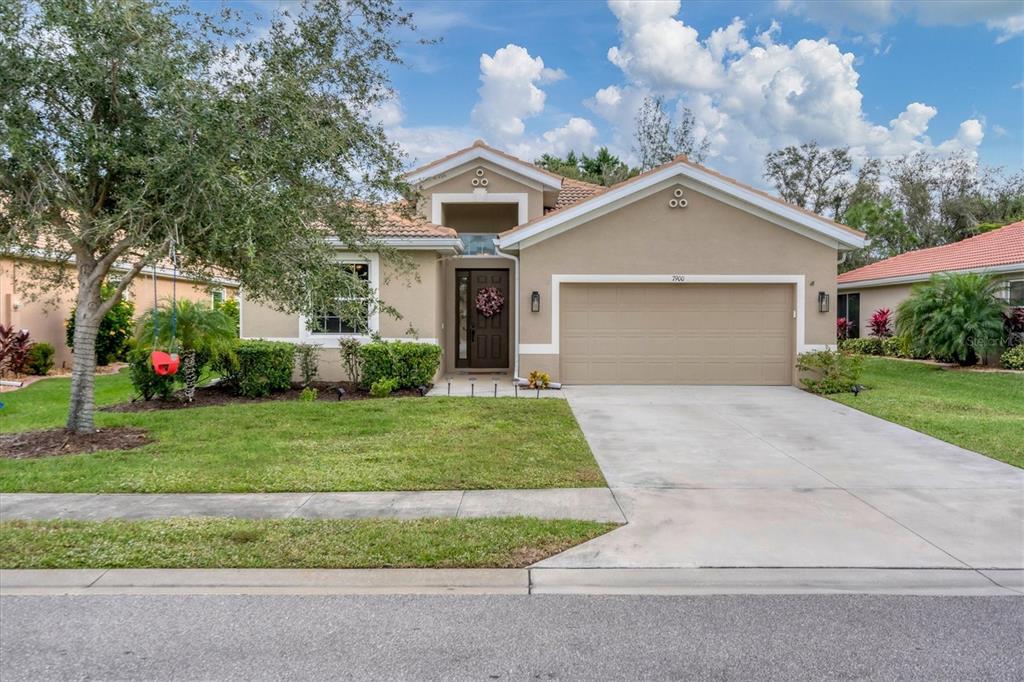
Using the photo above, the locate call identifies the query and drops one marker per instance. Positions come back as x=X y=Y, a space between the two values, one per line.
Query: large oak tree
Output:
x=127 y=126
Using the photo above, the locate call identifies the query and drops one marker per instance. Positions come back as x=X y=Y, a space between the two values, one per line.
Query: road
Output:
x=511 y=638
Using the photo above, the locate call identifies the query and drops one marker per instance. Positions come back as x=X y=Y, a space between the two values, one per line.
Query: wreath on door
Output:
x=489 y=301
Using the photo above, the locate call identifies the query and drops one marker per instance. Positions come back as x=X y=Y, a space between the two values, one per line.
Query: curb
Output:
x=611 y=581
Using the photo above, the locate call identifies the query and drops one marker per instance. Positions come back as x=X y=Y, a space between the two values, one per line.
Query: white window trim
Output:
x=798 y=281
x=1006 y=291
x=373 y=322
x=438 y=200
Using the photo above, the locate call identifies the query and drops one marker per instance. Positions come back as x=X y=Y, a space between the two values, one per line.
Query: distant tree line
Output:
x=911 y=202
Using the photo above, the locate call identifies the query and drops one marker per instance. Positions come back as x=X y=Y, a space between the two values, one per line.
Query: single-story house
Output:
x=45 y=317
x=887 y=283
x=678 y=275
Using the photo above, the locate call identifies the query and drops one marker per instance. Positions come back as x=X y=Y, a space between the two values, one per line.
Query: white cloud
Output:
x=1005 y=17
x=660 y=51
x=509 y=93
x=578 y=135
x=761 y=97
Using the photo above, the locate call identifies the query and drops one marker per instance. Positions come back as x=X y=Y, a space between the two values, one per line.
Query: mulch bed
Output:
x=54 y=442
x=220 y=395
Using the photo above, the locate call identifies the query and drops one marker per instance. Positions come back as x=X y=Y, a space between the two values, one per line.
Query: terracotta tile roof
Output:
x=1004 y=246
x=575 y=191
x=399 y=220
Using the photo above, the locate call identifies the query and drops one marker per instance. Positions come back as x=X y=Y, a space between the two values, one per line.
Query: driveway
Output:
x=774 y=477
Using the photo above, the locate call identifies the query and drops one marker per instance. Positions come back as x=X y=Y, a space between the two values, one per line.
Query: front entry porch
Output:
x=479 y=318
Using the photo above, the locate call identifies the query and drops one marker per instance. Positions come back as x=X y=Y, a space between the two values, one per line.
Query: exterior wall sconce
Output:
x=535 y=302
x=822 y=302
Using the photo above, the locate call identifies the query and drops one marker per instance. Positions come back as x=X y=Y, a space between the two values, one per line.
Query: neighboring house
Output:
x=45 y=318
x=679 y=275
x=887 y=283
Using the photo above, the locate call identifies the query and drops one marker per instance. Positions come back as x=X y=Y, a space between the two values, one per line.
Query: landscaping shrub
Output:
x=843 y=327
x=956 y=316
x=898 y=347
x=113 y=339
x=147 y=383
x=257 y=368
x=833 y=371
x=39 y=360
x=308 y=394
x=539 y=379
x=869 y=346
x=200 y=333
x=351 y=360
x=383 y=388
x=1014 y=357
x=306 y=357
x=229 y=306
x=881 y=323
x=14 y=347
x=410 y=364
x=1013 y=326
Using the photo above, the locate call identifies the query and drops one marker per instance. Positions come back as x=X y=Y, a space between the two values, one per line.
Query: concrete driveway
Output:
x=773 y=477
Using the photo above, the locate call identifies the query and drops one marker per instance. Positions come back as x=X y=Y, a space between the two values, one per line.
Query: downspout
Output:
x=515 y=362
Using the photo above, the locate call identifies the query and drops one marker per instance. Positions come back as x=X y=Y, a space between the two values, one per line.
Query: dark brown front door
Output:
x=483 y=340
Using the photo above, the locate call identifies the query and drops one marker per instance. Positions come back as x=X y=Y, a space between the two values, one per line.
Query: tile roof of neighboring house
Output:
x=681 y=160
x=575 y=191
x=1004 y=246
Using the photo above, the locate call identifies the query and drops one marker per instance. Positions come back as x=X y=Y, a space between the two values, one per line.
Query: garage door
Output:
x=676 y=334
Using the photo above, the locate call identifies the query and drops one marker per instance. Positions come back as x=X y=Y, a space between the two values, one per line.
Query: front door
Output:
x=481 y=331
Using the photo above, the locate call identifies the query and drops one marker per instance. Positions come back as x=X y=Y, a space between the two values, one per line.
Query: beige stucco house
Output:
x=887 y=283
x=44 y=316
x=679 y=275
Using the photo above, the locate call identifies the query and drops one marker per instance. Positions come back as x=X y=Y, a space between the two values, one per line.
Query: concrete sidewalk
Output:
x=587 y=504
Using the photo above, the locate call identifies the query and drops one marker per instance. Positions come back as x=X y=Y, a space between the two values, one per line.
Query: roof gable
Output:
x=481 y=151
x=708 y=182
x=995 y=249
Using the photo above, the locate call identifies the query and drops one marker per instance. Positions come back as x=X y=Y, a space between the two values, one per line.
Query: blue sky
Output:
x=883 y=77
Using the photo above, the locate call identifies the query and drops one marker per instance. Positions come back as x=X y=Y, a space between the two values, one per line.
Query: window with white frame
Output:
x=1013 y=292
x=217 y=296
x=351 y=316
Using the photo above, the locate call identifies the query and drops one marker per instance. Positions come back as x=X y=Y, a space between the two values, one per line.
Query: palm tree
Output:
x=956 y=316
x=194 y=330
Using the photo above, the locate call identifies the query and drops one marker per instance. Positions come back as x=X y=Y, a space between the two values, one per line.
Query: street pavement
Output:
x=511 y=638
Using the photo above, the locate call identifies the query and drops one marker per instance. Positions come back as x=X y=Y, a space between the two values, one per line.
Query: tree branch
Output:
x=122 y=286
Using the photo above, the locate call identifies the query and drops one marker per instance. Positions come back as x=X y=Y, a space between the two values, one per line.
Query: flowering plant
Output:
x=489 y=301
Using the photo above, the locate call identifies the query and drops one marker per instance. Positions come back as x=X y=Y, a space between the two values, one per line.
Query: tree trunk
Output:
x=83 y=371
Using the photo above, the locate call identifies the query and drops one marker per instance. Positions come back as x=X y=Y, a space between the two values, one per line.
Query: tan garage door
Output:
x=676 y=334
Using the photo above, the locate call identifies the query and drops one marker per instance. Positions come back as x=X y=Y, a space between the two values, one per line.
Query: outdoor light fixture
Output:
x=535 y=302
x=822 y=302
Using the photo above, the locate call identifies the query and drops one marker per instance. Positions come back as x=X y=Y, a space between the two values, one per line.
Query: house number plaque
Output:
x=678 y=278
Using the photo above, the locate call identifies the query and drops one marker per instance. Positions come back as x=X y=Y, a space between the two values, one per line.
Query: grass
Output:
x=980 y=411
x=290 y=543
x=282 y=446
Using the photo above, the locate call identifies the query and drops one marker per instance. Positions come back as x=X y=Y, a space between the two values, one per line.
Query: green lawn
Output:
x=390 y=444
x=291 y=543
x=980 y=411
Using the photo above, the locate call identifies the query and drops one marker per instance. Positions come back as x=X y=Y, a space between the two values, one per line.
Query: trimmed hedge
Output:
x=867 y=346
x=830 y=371
x=410 y=364
x=258 y=368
